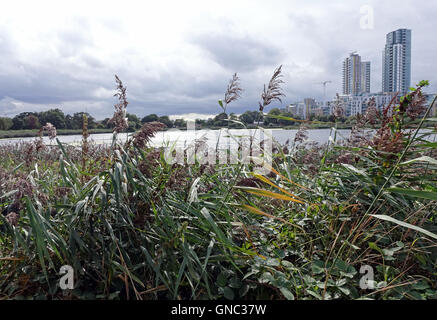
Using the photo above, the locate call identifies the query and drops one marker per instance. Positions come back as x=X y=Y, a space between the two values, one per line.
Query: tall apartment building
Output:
x=365 y=77
x=396 y=62
x=310 y=104
x=356 y=75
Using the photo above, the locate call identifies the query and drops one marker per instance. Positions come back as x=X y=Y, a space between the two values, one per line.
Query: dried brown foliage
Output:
x=12 y=218
x=152 y=160
x=416 y=105
x=248 y=182
x=372 y=113
x=301 y=134
x=233 y=91
x=146 y=133
x=273 y=90
x=119 y=119
x=338 y=110
x=387 y=141
x=51 y=130
x=178 y=179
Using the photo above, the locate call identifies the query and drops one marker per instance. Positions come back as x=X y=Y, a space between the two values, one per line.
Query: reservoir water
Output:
x=183 y=136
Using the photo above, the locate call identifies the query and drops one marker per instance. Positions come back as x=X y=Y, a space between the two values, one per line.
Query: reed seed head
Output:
x=234 y=90
x=119 y=119
x=273 y=90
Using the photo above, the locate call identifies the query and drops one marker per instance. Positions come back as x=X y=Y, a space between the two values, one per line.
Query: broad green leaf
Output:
x=429 y=144
x=318 y=267
x=352 y=168
x=405 y=224
x=192 y=196
x=229 y=293
x=415 y=193
x=421 y=159
x=374 y=246
x=287 y=293
x=221 y=279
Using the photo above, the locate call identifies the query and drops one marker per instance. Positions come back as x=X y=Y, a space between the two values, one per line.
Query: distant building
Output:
x=357 y=104
x=429 y=98
x=365 y=76
x=325 y=107
x=356 y=75
x=292 y=108
x=301 y=110
x=310 y=105
x=396 y=62
x=352 y=74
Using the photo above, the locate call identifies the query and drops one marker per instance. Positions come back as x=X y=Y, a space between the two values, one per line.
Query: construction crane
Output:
x=324 y=83
x=324 y=87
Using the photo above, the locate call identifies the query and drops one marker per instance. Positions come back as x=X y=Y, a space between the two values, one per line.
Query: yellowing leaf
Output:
x=285 y=178
x=269 y=194
x=266 y=180
x=268 y=215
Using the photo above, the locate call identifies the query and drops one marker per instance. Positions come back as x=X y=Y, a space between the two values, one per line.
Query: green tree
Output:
x=220 y=120
x=55 y=116
x=77 y=121
x=69 y=123
x=181 y=123
x=150 y=118
x=247 y=117
x=134 y=122
x=166 y=120
x=106 y=124
x=31 y=122
x=5 y=123
x=272 y=121
x=19 y=121
x=209 y=122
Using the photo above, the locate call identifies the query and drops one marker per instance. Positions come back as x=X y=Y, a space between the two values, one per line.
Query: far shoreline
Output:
x=16 y=134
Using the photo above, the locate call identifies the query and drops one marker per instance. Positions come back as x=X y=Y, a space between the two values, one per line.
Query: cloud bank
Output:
x=177 y=57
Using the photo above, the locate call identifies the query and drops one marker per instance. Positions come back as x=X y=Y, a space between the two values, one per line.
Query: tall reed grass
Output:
x=133 y=226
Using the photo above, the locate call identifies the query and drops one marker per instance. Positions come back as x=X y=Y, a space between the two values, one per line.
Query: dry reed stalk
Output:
x=119 y=119
x=273 y=90
x=85 y=136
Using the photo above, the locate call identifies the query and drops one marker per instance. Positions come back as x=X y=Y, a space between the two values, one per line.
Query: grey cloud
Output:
x=71 y=43
x=43 y=85
x=311 y=48
x=238 y=53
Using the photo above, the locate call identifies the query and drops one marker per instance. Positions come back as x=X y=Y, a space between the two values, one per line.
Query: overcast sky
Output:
x=176 y=57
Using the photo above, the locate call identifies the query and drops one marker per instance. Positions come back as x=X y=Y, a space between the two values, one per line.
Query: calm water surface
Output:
x=180 y=137
x=183 y=137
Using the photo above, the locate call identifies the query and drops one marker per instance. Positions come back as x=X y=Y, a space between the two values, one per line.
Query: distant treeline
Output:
x=35 y=120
